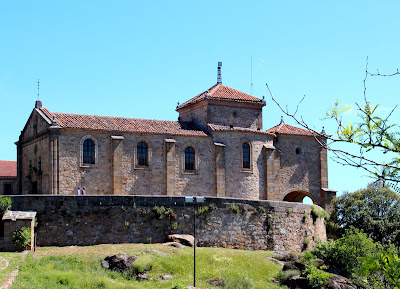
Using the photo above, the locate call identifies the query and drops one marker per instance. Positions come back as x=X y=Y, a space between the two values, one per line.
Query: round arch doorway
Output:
x=300 y=197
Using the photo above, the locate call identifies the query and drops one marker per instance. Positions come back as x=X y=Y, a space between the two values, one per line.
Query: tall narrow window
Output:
x=89 y=151
x=246 y=155
x=189 y=159
x=142 y=154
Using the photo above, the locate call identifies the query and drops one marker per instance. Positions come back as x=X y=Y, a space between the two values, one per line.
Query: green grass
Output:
x=79 y=267
x=12 y=259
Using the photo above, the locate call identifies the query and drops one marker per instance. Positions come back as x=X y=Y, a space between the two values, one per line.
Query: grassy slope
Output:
x=79 y=267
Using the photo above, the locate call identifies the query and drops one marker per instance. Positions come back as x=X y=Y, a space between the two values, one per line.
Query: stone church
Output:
x=218 y=148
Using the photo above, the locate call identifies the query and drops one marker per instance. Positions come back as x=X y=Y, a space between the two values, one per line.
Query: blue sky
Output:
x=139 y=58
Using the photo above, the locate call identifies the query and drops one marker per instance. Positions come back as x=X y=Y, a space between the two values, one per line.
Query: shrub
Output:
x=321 y=213
x=346 y=251
x=307 y=257
x=317 y=278
x=5 y=204
x=386 y=264
x=22 y=238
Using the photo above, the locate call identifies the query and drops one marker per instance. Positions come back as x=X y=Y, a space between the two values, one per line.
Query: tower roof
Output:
x=223 y=92
x=283 y=128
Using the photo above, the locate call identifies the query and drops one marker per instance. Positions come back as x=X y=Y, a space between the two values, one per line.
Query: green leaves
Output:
x=375 y=210
x=370 y=131
x=387 y=264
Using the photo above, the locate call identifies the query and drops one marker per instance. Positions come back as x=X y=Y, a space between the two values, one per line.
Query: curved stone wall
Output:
x=231 y=223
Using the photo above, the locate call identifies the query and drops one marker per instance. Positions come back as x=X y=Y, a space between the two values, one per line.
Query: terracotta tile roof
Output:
x=284 y=128
x=124 y=124
x=8 y=169
x=217 y=127
x=222 y=92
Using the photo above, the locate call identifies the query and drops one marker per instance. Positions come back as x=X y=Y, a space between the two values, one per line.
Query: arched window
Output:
x=142 y=154
x=88 y=150
x=189 y=159
x=246 y=155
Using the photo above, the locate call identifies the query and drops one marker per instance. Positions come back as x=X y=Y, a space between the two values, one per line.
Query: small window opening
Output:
x=299 y=151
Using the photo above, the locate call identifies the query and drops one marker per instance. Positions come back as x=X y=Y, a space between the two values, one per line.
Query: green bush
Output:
x=307 y=258
x=317 y=278
x=321 y=213
x=22 y=238
x=346 y=251
x=386 y=264
x=5 y=204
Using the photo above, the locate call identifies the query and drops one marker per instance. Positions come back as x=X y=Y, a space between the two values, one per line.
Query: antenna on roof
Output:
x=251 y=75
x=219 y=77
x=38 y=82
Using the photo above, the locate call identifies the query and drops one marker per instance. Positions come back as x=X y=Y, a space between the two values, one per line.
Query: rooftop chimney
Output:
x=38 y=104
x=219 y=77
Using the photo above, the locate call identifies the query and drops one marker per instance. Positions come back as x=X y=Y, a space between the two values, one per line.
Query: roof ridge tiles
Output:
x=125 y=124
x=222 y=92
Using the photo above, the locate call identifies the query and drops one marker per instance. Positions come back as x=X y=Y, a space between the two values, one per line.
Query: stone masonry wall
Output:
x=36 y=167
x=244 y=183
x=242 y=115
x=302 y=171
x=151 y=180
x=231 y=223
x=223 y=113
x=95 y=178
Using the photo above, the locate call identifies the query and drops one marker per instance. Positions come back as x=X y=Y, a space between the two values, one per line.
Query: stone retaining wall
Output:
x=231 y=223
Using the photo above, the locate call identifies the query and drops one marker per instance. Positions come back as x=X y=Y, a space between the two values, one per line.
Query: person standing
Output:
x=83 y=191
x=78 y=192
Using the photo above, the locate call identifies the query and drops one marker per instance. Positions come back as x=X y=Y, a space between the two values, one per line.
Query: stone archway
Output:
x=298 y=196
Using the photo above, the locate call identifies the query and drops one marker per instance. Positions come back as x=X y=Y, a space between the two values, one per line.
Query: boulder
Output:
x=173 y=244
x=340 y=282
x=293 y=265
x=297 y=282
x=319 y=262
x=119 y=262
x=167 y=277
x=184 y=239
